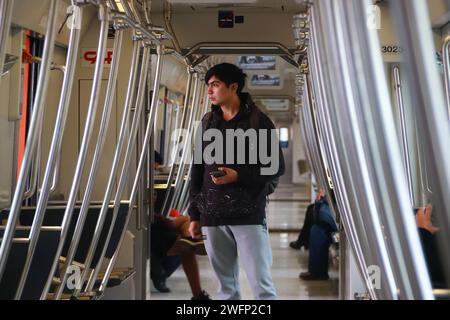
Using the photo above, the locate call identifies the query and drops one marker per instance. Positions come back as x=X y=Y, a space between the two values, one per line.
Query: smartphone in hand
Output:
x=218 y=173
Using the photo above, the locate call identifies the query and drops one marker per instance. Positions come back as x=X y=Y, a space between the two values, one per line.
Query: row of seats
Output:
x=47 y=245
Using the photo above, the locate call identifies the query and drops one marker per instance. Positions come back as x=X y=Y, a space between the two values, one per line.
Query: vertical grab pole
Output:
x=428 y=102
x=124 y=173
x=90 y=119
x=401 y=111
x=101 y=138
x=55 y=147
x=36 y=118
x=128 y=100
x=184 y=198
x=182 y=167
x=6 y=7
x=164 y=209
x=148 y=133
x=446 y=60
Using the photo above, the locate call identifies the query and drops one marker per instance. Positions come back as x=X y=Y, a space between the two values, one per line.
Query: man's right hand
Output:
x=195 y=230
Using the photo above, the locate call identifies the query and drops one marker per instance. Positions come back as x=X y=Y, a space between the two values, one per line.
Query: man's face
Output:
x=219 y=93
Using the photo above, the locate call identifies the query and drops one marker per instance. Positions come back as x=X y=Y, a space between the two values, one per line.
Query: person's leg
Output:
x=255 y=253
x=170 y=264
x=318 y=251
x=306 y=229
x=182 y=225
x=222 y=253
x=157 y=274
x=303 y=237
x=190 y=268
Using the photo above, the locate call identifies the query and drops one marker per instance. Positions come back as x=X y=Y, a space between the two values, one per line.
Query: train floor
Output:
x=285 y=217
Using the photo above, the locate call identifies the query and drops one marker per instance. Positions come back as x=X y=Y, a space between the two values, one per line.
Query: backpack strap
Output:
x=206 y=121
x=254 y=117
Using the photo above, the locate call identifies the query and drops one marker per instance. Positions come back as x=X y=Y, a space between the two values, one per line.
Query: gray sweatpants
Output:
x=252 y=241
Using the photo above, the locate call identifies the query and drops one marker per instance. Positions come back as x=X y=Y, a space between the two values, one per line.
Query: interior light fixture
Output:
x=212 y=1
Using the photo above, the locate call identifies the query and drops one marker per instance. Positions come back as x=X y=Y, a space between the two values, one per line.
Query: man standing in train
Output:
x=228 y=196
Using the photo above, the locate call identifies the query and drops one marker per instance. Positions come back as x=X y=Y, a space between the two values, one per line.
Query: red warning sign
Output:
x=89 y=57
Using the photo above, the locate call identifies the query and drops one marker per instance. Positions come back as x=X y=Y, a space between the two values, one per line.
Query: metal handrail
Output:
x=134 y=10
x=184 y=194
x=181 y=192
x=126 y=163
x=404 y=136
x=124 y=124
x=34 y=167
x=374 y=111
x=148 y=133
x=428 y=104
x=319 y=89
x=221 y=47
x=6 y=7
x=341 y=104
x=167 y=196
x=446 y=60
x=88 y=129
x=34 y=175
x=182 y=165
x=35 y=121
x=177 y=124
x=135 y=25
x=99 y=148
x=55 y=147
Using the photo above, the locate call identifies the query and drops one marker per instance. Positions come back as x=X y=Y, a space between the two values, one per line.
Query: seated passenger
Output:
x=303 y=237
x=319 y=242
x=171 y=246
x=427 y=233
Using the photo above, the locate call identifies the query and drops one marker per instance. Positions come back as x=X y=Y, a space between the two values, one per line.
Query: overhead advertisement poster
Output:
x=257 y=62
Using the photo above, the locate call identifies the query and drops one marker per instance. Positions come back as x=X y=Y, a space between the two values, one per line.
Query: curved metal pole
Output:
x=124 y=174
x=123 y=177
x=183 y=198
x=55 y=148
x=401 y=111
x=315 y=145
x=88 y=129
x=130 y=10
x=182 y=167
x=110 y=93
x=446 y=60
x=341 y=108
x=335 y=161
x=136 y=26
x=135 y=12
x=6 y=7
x=34 y=167
x=384 y=167
x=359 y=186
x=66 y=220
x=183 y=121
x=56 y=173
x=428 y=102
x=172 y=146
x=36 y=118
x=168 y=129
x=134 y=190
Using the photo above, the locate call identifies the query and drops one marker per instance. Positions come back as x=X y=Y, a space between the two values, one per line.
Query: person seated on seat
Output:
x=303 y=237
x=319 y=241
x=428 y=238
x=171 y=246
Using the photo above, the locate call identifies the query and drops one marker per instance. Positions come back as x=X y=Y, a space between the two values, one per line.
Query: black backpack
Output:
x=254 y=123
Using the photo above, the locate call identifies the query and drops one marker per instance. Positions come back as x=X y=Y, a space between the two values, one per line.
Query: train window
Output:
x=284 y=137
